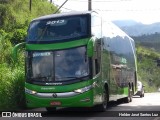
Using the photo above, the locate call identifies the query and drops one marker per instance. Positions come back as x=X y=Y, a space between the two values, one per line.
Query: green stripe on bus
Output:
x=56 y=46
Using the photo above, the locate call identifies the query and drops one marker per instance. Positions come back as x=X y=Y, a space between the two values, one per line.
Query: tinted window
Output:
x=57 y=29
x=71 y=63
x=42 y=65
x=61 y=65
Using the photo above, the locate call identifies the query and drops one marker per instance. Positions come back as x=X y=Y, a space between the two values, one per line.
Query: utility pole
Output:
x=89 y=5
x=30 y=5
x=50 y=1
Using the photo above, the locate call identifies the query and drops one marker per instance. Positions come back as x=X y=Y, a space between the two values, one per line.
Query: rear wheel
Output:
x=129 y=97
x=142 y=95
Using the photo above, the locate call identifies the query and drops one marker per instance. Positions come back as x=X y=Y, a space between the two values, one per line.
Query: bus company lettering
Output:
x=51 y=88
x=53 y=83
x=55 y=22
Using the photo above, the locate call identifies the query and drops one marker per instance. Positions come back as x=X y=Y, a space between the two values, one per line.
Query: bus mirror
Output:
x=90 y=48
x=15 y=49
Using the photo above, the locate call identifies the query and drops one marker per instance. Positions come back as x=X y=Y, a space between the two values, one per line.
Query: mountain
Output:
x=123 y=23
x=133 y=28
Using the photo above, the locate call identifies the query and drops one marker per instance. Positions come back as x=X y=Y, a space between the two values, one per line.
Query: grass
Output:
x=15 y=15
x=11 y=78
x=12 y=87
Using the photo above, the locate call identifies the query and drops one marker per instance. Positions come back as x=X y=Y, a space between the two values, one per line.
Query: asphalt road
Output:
x=146 y=108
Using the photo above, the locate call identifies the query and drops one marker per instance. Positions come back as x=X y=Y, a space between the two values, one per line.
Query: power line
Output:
x=65 y=8
x=61 y=6
x=69 y=9
x=117 y=10
x=120 y=10
x=130 y=10
x=99 y=1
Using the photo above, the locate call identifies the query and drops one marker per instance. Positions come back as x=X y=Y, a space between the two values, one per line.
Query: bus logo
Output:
x=54 y=95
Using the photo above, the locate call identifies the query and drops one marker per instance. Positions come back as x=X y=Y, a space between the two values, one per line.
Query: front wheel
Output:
x=103 y=106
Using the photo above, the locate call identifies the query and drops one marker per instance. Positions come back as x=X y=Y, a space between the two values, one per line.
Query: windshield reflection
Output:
x=62 y=65
x=71 y=63
x=42 y=65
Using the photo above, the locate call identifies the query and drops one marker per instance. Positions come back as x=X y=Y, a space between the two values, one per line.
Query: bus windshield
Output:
x=62 y=65
x=57 y=29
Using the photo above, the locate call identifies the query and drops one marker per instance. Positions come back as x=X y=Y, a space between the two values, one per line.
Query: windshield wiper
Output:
x=42 y=34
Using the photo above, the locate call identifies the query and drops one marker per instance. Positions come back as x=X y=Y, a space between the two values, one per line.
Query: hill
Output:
x=14 y=13
x=124 y=23
x=151 y=41
x=148 y=72
x=134 y=28
x=14 y=20
x=148 y=51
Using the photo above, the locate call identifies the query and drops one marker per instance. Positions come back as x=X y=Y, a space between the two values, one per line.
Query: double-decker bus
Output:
x=76 y=59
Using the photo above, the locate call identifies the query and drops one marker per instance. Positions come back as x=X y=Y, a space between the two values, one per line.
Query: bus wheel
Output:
x=129 y=98
x=51 y=109
x=103 y=106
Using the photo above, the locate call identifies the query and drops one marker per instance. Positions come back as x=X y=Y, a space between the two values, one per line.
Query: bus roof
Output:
x=63 y=15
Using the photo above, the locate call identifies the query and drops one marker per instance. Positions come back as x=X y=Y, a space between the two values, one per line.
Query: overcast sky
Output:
x=145 y=11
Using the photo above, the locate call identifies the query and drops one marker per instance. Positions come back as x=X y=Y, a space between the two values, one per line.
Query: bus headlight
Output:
x=82 y=90
x=30 y=91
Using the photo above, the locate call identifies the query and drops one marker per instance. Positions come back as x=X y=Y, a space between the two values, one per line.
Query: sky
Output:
x=144 y=11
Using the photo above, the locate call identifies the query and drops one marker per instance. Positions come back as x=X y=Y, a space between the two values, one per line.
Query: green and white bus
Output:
x=76 y=59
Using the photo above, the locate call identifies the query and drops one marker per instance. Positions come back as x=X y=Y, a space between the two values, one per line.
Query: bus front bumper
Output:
x=80 y=100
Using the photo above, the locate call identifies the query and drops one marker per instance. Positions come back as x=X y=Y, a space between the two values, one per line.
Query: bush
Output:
x=12 y=87
x=2 y=33
x=18 y=36
x=14 y=20
x=147 y=68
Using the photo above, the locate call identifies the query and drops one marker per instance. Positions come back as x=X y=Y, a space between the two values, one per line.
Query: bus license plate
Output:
x=55 y=103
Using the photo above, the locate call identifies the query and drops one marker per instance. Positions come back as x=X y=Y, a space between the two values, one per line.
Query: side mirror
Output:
x=90 y=47
x=15 y=49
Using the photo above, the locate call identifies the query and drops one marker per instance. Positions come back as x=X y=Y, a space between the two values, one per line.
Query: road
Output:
x=146 y=108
